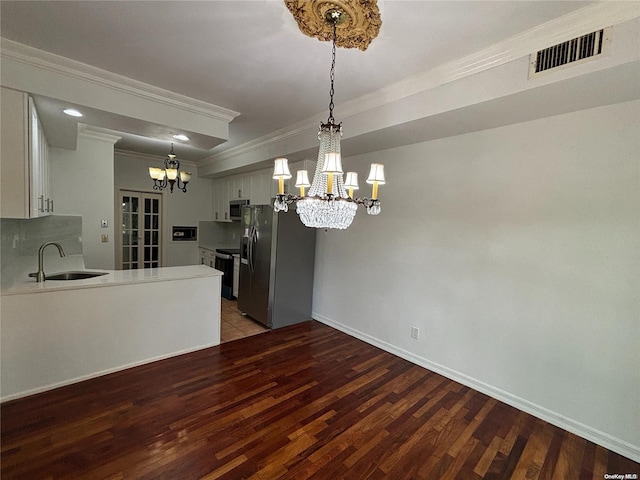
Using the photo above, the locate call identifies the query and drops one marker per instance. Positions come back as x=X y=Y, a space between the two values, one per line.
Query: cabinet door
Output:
x=261 y=184
x=25 y=159
x=35 y=159
x=214 y=198
x=14 y=150
x=218 y=214
x=226 y=192
x=232 y=188
x=236 y=187
x=39 y=166
x=246 y=186
x=45 y=174
x=221 y=200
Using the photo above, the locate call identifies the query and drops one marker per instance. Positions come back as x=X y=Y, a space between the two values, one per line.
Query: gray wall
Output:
x=82 y=182
x=516 y=252
x=184 y=209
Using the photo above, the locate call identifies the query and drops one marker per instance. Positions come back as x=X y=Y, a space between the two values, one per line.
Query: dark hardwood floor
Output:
x=302 y=402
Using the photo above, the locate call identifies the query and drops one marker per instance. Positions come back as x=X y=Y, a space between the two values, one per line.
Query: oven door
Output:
x=224 y=263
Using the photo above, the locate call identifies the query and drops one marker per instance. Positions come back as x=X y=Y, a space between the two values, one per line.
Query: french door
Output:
x=140 y=230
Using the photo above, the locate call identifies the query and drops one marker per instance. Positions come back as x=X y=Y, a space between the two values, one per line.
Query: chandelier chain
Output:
x=332 y=76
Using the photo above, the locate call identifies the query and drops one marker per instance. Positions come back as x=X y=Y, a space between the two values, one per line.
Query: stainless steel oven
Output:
x=224 y=263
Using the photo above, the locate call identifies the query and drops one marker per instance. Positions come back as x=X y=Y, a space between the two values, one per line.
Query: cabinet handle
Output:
x=49 y=209
x=216 y=215
x=239 y=193
x=41 y=200
x=225 y=215
x=51 y=205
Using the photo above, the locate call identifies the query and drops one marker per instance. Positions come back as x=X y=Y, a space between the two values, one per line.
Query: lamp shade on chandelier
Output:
x=329 y=202
x=170 y=175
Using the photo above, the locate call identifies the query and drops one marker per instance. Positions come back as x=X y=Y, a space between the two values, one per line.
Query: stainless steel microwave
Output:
x=235 y=209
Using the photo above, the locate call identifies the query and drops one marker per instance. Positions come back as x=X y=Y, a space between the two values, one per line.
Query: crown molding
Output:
x=579 y=22
x=261 y=142
x=147 y=157
x=574 y=24
x=87 y=73
x=95 y=133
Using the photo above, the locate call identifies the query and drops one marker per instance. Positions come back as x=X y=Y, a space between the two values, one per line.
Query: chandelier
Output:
x=329 y=202
x=170 y=175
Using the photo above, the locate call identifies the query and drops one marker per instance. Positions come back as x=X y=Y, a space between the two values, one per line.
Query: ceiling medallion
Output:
x=358 y=27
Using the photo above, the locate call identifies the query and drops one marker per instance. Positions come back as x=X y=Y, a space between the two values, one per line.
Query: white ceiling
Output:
x=250 y=57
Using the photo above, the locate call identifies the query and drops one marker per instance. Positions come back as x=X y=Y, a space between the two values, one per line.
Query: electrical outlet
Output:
x=104 y=223
x=105 y=238
x=415 y=333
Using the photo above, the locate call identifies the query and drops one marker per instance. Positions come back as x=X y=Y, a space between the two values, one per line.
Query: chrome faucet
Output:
x=40 y=277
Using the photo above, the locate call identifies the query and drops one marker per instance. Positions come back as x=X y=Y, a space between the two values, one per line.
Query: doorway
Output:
x=140 y=225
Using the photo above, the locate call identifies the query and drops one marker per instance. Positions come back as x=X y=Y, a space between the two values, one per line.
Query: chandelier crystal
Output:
x=328 y=203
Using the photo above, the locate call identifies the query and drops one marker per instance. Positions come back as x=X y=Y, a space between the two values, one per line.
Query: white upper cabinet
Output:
x=221 y=200
x=241 y=187
x=24 y=151
x=258 y=187
x=261 y=187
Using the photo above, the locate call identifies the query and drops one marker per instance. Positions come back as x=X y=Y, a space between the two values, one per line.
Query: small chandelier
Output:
x=328 y=204
x=171 y=174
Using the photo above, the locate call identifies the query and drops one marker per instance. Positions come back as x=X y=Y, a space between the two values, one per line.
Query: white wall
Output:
x=184 y=209
x=82 y=184
x=516 y=251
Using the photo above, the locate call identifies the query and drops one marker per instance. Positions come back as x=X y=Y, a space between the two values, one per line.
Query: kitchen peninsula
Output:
x=59 y=332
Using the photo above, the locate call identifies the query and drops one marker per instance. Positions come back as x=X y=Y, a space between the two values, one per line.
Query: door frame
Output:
x=118 y=219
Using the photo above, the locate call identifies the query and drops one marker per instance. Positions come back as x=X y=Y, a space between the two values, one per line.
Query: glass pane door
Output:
x=140 y=230
x=151 y=237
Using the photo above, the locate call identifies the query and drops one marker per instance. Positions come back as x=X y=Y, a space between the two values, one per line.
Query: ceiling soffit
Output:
x=360 y=27
x=512 y=49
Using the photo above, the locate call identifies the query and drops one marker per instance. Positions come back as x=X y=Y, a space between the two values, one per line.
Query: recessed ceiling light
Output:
x=181 y=137
x=72 y=112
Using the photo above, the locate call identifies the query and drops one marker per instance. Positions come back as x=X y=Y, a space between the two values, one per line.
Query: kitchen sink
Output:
x=74 y=275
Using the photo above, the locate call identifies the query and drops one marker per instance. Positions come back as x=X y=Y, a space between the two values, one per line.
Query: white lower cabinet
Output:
x=207 y=257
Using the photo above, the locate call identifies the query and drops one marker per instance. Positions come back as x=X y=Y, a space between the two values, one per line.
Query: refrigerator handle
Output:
x=254 y=239
x=250 y=252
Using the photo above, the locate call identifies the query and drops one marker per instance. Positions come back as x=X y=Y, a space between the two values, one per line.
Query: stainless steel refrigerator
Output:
x=277 y=254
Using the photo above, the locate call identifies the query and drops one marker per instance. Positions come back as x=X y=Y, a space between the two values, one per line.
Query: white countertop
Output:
x=19 y=283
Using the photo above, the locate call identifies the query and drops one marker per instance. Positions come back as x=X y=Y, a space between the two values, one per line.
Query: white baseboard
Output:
x=596 y=436
x=33 y=391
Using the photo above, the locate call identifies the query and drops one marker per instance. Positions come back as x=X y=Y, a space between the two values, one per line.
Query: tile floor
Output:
x=234 y=325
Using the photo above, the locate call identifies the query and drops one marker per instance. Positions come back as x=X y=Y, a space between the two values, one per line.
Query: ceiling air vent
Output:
x=577 y=49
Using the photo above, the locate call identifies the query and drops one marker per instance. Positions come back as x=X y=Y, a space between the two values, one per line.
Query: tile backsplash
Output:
x=20 y=237
x=219 y=233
